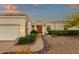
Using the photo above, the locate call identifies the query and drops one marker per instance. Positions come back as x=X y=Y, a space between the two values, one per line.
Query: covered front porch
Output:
x=39 y=27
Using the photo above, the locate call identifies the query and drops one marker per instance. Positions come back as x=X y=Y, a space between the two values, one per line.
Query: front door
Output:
x=39 y=29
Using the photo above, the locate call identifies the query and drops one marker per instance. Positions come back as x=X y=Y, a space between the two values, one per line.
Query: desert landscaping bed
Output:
x=62 y=44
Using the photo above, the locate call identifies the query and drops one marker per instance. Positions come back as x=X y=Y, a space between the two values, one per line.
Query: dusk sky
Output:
x=41 y=11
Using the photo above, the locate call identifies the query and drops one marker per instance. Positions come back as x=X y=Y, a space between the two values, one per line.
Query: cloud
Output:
x=9 y=8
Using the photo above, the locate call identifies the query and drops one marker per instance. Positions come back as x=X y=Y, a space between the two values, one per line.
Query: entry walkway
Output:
x=38 y=45
x=47 y=44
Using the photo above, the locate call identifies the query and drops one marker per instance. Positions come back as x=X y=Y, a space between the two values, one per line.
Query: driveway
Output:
x=4 y=45
x=8 y=46
x=61 y=44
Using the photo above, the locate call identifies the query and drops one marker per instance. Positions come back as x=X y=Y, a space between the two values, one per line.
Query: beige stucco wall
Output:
x=29 y=27
x=60 y=25
x=20 y=20
x=56 y=25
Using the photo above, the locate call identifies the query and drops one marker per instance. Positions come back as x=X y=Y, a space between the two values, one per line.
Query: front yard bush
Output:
x=63 y=32
x=27 y=39
x=22 y=40
x=33 y=31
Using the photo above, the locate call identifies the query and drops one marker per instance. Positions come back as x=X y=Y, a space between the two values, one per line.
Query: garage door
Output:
x=9 y=32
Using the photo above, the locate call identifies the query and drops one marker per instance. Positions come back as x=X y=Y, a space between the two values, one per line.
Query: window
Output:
x=48 y=28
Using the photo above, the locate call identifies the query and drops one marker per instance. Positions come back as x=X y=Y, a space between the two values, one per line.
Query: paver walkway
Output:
x=38 y=45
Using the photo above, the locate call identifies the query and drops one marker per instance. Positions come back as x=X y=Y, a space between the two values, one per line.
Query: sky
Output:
x=42 y=11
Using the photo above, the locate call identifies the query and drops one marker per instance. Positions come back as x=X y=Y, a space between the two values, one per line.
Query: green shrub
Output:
x=33 y=31
x=22 y=40
x=63 y=32
x=27 y=39
x=33 y=36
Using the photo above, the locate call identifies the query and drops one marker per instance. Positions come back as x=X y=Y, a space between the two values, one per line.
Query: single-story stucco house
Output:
x=14 y=25
x=41 y=26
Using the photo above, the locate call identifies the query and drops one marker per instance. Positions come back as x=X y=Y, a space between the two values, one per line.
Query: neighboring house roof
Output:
x=55 y=21
x=46 y=22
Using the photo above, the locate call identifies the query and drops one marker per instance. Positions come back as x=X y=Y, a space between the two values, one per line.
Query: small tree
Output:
x=74 y=21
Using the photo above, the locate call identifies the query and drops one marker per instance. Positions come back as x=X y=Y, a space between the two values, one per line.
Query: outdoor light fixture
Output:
x=22 y=29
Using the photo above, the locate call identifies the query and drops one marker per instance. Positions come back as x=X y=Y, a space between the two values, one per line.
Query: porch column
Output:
x=29 y=28
x=43 y=30
x=35 y=27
